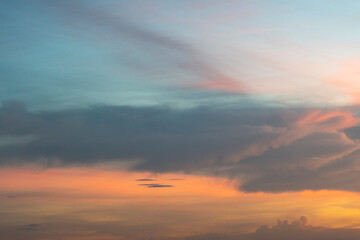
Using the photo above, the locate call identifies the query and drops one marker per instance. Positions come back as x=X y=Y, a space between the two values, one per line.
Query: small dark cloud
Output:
x=159 y=186
x=155 y=185
x=27 y=195
x=175 y=179
x=145 y=180
x=29 y=227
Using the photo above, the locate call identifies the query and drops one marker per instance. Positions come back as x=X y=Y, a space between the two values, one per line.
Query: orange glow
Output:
x=93 y=183
x=347 y=79
x=194 y=204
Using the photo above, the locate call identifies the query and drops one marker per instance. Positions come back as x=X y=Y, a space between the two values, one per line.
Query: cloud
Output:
x=284 y=230
x=155 y=185
x=27 y=194
x=29 y=227
x=144 y=179
x=159 y=52
x=266 y=149
x=298 y=230
x=4 y=141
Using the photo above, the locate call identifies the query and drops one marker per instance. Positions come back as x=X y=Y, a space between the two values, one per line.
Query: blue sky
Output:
x=58 y=55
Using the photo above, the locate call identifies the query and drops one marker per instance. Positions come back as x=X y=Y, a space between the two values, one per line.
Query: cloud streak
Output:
x=197 y=70
x=144 y=180
x=29 y=227
x=155 y=185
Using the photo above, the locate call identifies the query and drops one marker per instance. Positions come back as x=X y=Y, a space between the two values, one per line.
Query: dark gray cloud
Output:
x=144 y=180
x=155 y=185
x=267 y=149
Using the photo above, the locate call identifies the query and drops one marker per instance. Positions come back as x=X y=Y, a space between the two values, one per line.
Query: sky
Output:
x=179 y=120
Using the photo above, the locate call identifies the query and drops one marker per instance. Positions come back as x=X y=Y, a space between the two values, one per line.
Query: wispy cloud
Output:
x=155 y=185
x=145 y=179
x=197 y=70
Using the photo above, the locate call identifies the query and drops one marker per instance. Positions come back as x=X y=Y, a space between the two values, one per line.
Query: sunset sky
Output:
x=179 y=120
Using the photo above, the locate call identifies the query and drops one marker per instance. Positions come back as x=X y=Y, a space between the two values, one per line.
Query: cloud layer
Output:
x=265 y=149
